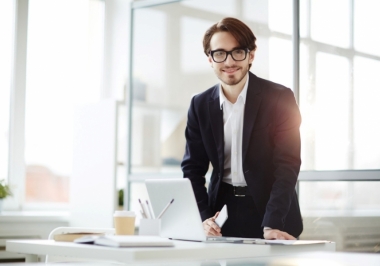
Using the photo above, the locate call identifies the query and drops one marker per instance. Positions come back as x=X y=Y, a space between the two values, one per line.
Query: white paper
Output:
x=222 y=217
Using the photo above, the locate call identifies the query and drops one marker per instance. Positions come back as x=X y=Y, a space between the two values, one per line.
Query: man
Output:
x=248 y=128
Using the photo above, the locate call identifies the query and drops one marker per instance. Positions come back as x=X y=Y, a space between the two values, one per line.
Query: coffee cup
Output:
x=124 y=222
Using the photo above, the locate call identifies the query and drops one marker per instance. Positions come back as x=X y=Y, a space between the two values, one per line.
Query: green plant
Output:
x=121 y=197
x=5 y=190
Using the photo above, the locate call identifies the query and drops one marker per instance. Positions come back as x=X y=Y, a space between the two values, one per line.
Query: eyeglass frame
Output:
x=246 y=50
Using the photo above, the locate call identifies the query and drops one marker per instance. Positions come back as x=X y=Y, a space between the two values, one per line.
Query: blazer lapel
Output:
x=252 y=105
x=216 y=121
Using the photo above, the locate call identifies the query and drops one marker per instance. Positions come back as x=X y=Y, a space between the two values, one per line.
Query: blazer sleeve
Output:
x=196 y=162
x=286 y=160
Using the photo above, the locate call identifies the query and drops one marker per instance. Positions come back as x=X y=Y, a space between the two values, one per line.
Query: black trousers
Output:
x=243 y=219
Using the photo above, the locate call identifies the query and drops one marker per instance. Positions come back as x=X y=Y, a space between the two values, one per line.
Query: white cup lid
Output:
x=125 y=213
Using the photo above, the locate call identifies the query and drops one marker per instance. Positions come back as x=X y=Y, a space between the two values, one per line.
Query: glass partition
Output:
x=169 y=68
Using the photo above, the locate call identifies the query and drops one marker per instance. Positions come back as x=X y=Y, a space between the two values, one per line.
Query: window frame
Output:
x=16 y=165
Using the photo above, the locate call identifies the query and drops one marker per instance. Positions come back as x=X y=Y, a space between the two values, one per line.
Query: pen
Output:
x=146 y=212
x=143 y=212
x=164 y=210
x=150 y=210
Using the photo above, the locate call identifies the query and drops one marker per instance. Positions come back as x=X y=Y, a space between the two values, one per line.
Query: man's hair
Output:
x=240 y=31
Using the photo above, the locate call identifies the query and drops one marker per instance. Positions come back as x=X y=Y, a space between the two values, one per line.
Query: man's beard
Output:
x=233 y=81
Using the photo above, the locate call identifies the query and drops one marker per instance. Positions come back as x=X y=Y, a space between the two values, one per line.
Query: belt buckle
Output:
x=238 y=195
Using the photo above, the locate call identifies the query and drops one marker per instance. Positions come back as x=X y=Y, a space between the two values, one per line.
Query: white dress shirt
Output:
x=233 y=120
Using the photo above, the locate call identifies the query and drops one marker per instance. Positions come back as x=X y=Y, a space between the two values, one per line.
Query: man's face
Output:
x=230 y=72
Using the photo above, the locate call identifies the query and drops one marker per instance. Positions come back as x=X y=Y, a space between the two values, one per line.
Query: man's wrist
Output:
x=266 y=228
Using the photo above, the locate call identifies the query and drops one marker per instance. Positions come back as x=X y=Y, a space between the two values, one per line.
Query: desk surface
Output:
x=306 y=259
x=182 y=250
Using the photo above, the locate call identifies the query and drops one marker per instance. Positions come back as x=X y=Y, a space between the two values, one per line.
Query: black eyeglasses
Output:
x=220 y=56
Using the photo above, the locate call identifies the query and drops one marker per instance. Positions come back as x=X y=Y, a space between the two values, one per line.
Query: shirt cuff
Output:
x=266 y=228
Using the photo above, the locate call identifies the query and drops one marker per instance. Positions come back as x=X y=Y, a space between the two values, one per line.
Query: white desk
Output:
x=183 y=250
x=312 y=258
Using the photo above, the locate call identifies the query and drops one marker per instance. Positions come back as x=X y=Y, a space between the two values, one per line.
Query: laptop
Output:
x=182 y=220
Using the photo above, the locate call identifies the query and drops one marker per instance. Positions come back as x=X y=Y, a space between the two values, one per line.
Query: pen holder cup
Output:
x=150 y=227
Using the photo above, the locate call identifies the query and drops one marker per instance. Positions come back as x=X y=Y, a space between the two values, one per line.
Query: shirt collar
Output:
x=242 y=95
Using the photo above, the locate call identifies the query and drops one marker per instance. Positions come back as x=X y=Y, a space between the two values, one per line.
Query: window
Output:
x=366 y=96
x=330 y=22
x=340 y=198
x=63 y=70
x=339 y=99
x=338 y=93
x=64 y=64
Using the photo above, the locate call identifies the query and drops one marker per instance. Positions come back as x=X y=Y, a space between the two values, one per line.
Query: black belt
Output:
x=236 y=191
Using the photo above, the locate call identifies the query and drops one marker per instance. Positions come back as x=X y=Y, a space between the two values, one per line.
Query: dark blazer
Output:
x=271 y=152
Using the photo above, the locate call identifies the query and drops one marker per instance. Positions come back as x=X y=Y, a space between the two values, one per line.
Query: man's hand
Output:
x=271 y=234
x=210 y=228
